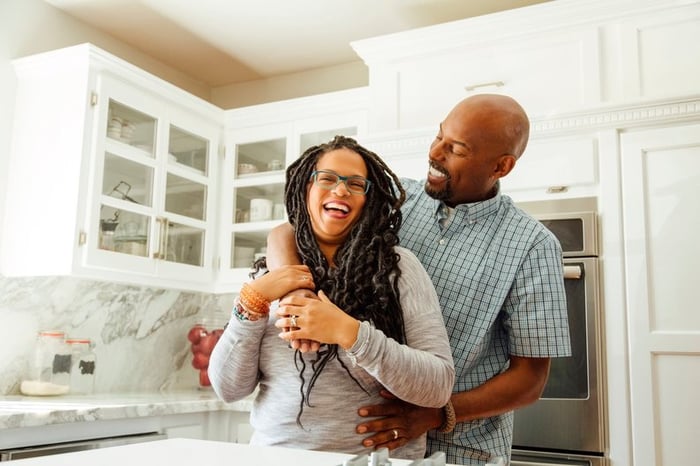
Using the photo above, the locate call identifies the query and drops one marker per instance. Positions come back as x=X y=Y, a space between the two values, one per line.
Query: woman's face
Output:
x=334 y=211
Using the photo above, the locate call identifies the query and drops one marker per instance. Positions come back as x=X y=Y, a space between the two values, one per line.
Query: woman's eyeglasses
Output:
x=328 y=180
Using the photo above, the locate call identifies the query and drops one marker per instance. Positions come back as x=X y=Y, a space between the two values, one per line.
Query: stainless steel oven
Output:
x=568 y=424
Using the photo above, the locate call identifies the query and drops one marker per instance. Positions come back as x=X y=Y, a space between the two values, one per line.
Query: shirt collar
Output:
x=471 y=212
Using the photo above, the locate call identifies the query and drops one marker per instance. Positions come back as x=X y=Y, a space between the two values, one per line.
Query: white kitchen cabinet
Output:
x=418 y=76
x=261 y=141
x=659 y=187
x=554 y=58
x=553 y=167
x=657 y=53
x=112 y=174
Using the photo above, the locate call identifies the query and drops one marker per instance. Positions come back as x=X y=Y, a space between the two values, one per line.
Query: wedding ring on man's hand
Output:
x=396 y=434
x=293 y=321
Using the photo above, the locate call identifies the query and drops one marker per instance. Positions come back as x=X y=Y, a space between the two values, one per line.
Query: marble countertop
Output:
x=28 y=411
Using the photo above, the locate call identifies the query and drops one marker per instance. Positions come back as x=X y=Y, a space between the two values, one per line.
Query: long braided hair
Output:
x=364 y=279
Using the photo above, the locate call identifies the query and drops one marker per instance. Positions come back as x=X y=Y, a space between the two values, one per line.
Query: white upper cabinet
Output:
x=418 y=76
x=261 y=141
x=555 y=58
x=659 y=54
x=111 y=174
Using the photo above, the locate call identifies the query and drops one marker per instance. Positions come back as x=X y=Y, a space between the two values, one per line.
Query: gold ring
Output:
x=293 y=320
x=396 y=434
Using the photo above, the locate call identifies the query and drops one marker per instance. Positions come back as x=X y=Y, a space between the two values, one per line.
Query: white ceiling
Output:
x=221 y=42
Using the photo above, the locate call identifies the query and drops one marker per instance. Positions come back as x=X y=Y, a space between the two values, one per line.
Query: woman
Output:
x=376 y=315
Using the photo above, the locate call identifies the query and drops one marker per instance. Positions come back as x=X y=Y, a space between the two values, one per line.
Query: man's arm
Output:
x=281 y=247
x=521 y=384
x=282 y=250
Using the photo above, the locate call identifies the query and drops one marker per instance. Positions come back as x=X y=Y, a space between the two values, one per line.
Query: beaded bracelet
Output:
x=450 y=418
x=253 y=301
x=241 y=313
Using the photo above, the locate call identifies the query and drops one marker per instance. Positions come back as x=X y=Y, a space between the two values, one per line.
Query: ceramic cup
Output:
x=260 y=210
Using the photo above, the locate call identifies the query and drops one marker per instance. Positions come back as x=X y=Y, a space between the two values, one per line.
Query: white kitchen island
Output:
x=186 y=452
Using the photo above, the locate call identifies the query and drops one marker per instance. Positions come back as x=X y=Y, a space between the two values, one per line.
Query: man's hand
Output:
x=396 y=422
x=304 y=345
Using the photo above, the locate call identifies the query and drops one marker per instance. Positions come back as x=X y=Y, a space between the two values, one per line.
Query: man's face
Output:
x=464 y=157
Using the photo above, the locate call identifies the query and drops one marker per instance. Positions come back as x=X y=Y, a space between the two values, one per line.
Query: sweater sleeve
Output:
x=233 y=365
x=422 y=371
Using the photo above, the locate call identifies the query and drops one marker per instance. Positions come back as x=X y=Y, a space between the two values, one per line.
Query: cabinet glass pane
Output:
x=319 y=137
x=185 y=244
x=261 y=156
x=188 y=150
x=259 y=203
x=123 y=231
x=246 y=248
x=127 y=180
x=185 y=197
x=131 y=127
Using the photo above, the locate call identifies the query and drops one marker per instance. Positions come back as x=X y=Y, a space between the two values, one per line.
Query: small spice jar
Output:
x=82 y=372
x=48 y=371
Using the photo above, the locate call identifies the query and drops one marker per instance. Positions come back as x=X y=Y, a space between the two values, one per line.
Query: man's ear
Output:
x=504 y=165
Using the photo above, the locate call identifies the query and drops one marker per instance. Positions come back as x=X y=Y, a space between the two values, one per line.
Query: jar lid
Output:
x=78 y=340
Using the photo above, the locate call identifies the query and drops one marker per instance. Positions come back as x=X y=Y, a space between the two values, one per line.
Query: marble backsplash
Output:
x=139 y=334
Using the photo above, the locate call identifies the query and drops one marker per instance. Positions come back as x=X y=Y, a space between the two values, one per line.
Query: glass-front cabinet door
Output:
x=153 y=166
x=254 y=179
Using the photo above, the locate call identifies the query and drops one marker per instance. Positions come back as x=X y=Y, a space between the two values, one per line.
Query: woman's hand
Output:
x=316 y=319
x=280 y=281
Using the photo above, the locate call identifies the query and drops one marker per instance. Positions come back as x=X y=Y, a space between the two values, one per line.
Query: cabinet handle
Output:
x=472 y=87
x=162 y=238
x=557 y=189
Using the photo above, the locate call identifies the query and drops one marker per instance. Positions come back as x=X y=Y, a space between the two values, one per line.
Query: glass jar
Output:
x=82 y=372
x=203 y=336
x=48 y=371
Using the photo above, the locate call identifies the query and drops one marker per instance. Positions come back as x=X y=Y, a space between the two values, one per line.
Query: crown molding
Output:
x=620 y=117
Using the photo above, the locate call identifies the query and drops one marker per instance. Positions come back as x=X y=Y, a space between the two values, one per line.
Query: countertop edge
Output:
x=22 y=411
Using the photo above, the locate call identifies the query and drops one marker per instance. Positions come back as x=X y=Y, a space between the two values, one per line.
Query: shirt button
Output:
x=442 y=241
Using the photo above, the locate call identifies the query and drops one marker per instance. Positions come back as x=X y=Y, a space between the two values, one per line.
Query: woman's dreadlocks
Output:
x=364 y=279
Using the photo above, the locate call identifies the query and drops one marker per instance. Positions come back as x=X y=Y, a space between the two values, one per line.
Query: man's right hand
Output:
x=281 y=250
x=305 y=345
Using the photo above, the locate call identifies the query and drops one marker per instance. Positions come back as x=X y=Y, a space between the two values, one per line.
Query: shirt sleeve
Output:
x=536 y=306
x=233 y=365
x=422 y=371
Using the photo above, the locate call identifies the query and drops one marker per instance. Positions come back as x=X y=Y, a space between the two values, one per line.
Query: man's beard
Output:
x=440 y=195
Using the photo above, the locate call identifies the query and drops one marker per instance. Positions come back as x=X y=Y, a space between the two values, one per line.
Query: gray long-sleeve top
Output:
x=250 y=354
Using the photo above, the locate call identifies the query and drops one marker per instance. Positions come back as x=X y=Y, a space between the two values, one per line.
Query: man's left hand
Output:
x=396 y=422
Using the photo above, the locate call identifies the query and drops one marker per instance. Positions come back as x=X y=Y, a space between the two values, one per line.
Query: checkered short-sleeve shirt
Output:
x=499 y=276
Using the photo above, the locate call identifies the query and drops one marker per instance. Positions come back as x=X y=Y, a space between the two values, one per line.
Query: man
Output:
x=499 y=276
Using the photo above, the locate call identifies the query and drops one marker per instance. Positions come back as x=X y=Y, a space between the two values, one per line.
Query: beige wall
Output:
x=317 y=81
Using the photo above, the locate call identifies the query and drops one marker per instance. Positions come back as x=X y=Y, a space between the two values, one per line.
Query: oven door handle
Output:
x=529 y=463
x=572 y=272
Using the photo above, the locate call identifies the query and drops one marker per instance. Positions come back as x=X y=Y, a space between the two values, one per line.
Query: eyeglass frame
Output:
x=343 y=179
